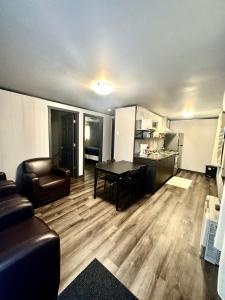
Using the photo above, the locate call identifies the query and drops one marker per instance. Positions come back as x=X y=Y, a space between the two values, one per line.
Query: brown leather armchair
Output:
x=29 y=251
x=42 y=182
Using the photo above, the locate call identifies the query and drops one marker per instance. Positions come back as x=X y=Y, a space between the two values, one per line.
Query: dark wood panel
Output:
x=158 y=171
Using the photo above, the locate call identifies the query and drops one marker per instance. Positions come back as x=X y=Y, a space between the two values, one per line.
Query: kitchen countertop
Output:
x=156 y=156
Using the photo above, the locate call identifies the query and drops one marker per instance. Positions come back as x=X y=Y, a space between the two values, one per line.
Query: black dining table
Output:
x=118 y=169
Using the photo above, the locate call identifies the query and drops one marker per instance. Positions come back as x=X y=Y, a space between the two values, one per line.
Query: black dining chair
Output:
x=108 y=178
x=134 y=182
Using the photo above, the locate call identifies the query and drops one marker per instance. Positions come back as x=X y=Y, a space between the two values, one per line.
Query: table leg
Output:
x=95 y=183
x=117 y=194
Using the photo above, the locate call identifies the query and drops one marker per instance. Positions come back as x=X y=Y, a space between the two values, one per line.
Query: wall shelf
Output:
x=144 y=134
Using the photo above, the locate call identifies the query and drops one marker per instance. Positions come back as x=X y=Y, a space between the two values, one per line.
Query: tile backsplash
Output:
x=153 y=143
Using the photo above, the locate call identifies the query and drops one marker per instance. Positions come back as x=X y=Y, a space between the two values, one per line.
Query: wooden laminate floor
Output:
x=152 y=246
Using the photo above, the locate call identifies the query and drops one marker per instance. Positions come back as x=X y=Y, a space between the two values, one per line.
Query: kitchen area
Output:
x=144 y=138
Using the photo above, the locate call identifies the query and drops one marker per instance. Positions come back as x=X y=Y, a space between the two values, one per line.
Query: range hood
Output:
x=165 y=129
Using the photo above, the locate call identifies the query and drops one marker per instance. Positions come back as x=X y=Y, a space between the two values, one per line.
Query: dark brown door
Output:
x=67 y=143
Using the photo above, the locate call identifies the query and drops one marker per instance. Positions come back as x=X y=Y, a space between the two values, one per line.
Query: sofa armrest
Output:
x=15 y=210
x=7 y=188
x=62 y=172
x=2 y=176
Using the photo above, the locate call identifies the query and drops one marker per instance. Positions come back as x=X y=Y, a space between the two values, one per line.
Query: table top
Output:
x=118 y=167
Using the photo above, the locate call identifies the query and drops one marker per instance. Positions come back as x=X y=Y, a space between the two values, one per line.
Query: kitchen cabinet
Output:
x=158 y=171
x=127 y=138
x=148 y=119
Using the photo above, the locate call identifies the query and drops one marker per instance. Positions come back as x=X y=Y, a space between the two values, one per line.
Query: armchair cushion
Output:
x=38 y=166
x=50 y=181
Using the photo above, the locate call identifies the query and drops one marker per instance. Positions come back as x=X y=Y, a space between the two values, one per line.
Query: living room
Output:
x=112 y=150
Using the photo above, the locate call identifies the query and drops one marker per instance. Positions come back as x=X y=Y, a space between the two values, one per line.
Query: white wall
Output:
x=199 y=137
x=219 y=182
x=124 y=133
x=221 y=169
x=24 y=130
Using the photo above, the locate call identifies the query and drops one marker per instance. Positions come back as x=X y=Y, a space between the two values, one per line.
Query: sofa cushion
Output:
x=11 y=197
x=7 y=182
x=50 y=181
x=38 y=166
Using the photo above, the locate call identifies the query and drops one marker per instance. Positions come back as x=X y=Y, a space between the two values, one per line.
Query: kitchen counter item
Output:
x=156 y=156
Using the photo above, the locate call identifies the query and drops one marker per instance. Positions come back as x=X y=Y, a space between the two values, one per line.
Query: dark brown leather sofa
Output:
x=29 y=250
x=42 y=182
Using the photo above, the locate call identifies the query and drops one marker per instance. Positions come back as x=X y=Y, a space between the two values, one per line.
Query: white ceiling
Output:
x=168 y=56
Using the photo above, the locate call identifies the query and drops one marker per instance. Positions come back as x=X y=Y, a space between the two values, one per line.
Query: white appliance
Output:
x=174 y=142
x=209 y=225
x=143 y=148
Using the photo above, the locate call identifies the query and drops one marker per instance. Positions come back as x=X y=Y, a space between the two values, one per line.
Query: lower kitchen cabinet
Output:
x=158 y=171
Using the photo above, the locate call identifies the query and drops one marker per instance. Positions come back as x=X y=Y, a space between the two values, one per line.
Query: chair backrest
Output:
x=142 y=168
x=39 y=166
x=138 y=172
x=102 y=163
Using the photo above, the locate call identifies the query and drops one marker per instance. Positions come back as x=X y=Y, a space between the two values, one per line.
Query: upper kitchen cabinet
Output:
x=132 y=125
x=145 y=119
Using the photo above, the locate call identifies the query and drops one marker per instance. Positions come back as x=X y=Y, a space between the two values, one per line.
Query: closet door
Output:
x=68 y=144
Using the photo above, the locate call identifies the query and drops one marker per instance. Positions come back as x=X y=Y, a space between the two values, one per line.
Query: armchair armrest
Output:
x=2 y=176
x=31 y=187
x=30 y=180
x=65 y=173
x=28 y=177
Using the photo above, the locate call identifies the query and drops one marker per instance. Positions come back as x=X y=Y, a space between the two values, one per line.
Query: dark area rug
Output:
x=96 y=282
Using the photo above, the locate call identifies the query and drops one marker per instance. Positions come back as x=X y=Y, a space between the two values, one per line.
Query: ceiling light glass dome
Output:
x=102 y=87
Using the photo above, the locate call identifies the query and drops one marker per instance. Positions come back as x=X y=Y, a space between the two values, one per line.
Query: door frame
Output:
x=76 y=136
x=101 y=136
x=113 y=138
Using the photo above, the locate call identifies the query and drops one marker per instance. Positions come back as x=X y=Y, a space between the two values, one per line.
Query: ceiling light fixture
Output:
x=187 y=114
x=102 y=87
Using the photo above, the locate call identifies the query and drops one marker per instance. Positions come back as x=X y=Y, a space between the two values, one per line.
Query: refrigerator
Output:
x=174 y=142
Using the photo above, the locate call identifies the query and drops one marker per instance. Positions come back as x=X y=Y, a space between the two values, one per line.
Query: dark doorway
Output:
x=63 y=139
x=93 y=136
